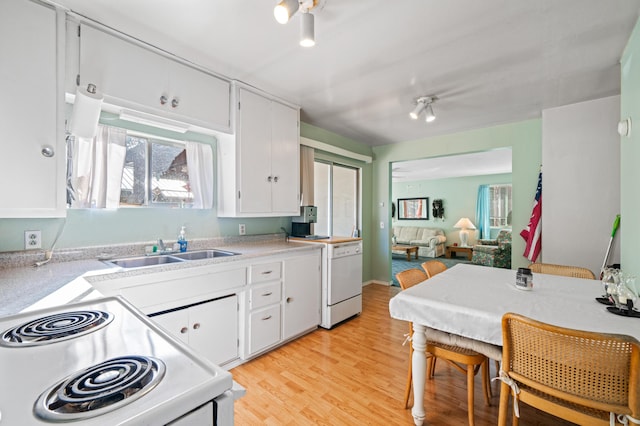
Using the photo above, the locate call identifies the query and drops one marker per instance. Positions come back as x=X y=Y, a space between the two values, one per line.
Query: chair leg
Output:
x=470 y=376
x=486 y=383
x=505 y=392
x=407 y=391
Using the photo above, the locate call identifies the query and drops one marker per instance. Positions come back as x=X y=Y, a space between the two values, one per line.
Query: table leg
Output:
x=408 y=256
x=419 y=368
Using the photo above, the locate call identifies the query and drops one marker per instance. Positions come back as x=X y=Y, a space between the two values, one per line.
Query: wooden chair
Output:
x=564 y=270
x=579 y=376
x=433 y=267
x=471 y=360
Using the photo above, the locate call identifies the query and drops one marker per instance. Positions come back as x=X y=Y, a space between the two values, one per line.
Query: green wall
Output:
x=525 y=139
x=630 y=155
x=458 y=196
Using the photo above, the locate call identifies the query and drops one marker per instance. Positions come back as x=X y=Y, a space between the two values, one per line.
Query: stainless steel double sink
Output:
x=163 y=259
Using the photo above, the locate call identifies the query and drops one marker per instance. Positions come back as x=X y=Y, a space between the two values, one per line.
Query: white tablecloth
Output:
x=470 y=300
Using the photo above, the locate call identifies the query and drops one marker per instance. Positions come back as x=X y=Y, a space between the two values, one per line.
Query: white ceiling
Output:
x=489 y=61
x=480 y=163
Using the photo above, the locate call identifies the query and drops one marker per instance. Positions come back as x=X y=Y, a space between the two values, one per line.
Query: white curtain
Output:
x=98 y=166
x=306 y=176
x=200 y=164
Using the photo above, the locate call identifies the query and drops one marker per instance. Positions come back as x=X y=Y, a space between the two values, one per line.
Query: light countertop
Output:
x=22 y=286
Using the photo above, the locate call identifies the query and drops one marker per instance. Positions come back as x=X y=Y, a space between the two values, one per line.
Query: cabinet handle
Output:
x=184 y=330
x=266 y=318
x=269 y=179
x=267 y=294
x=275 y=179
x=196 y=326
x=289 y=299
x=266 y=272
x=163 y=100
x=175 y=102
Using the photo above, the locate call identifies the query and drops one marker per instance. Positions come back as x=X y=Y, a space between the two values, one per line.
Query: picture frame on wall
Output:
x=413 y=208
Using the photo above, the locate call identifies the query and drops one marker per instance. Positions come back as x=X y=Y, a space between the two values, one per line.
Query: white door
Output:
x=213 y=329
x=302 y=288
x=285 y=159
x=345 y=278
x=255 y=153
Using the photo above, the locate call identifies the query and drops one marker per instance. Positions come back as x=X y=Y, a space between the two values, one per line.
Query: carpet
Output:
x=399 y=263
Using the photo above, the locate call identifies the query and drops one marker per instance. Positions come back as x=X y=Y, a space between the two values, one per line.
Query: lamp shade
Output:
x=464 y=223
x=430 y=116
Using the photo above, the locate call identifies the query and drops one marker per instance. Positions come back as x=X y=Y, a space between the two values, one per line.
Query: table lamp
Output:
x=464 y=224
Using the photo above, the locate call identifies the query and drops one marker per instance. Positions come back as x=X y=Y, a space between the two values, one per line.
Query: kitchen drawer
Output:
x=264 y=294
x=264 y=328
x=265 y=272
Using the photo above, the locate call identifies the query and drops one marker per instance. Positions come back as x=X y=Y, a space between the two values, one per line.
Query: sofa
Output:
x=430 y=241
x=495 y=253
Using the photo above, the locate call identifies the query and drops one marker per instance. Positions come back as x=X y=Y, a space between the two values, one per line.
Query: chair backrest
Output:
x=564 y=270
x=410 y=277
x=433 y=267
x=596 y=370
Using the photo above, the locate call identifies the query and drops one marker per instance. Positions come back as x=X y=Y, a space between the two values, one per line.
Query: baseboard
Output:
x=385 y=283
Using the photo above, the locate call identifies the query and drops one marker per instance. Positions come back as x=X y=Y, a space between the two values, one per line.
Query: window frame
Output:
x=504 y=221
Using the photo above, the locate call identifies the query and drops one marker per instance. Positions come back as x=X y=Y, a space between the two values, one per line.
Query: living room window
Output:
x=500 y=200
x=337 y=196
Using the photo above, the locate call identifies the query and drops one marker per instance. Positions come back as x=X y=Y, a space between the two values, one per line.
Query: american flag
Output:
x=532 y=233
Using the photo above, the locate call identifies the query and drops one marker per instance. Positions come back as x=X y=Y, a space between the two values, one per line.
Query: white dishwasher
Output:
x=342 y=290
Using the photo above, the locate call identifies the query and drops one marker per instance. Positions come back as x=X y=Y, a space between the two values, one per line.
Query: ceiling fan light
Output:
x=430 y=116
x=285 y=10
x=307 y=33
x=417 y=110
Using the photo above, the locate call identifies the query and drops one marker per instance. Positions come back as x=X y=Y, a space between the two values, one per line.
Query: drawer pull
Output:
x=196 y=326
x=266 y=318
x=184 y=330
x=266 y=272
x=267 y=294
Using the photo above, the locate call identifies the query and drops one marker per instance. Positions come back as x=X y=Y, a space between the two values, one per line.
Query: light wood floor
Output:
x=355 y=374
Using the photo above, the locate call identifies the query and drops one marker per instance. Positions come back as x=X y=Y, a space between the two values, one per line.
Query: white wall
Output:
x=581 y=156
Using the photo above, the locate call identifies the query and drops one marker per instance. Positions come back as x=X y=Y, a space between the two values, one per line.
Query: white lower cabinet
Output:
x=302 y=293
x=209 y=328
x=283 y=301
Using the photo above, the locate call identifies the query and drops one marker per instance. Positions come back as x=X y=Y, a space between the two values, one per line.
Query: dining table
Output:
x=464 y=306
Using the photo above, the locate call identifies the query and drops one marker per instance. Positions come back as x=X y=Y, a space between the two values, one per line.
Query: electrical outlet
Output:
x=241 y=229
x=32 y=240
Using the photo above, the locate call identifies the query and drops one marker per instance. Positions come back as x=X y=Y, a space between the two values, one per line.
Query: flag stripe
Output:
x=532 y=234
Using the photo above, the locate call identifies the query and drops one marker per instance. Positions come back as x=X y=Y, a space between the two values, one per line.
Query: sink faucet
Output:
x=161 y=247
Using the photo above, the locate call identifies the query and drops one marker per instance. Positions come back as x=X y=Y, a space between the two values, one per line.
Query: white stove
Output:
x=103 y=362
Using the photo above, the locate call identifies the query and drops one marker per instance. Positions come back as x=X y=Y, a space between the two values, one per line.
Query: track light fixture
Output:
x=285 y=10
x=424 y=103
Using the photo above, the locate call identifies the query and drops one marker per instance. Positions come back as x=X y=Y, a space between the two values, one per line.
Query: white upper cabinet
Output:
x=259 y=168
x=135 y=77
x=32 y=164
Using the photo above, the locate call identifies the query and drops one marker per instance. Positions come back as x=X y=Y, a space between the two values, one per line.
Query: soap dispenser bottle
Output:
x=182 y=240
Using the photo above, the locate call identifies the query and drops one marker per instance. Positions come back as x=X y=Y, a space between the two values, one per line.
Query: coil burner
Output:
x=54 y=328
x=100 y=389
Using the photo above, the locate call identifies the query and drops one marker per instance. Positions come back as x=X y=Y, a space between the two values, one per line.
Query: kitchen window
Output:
x=337 y=196
x=155 y=174
x=125 y=168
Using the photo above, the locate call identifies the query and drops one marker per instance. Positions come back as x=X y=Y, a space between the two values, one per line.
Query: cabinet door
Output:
x=33 y=184
x=254 y=139
x=285 y=159
x=126 y=73
x=199 y=96
x=302 y=288
x=176 y=323
x=213 y=329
